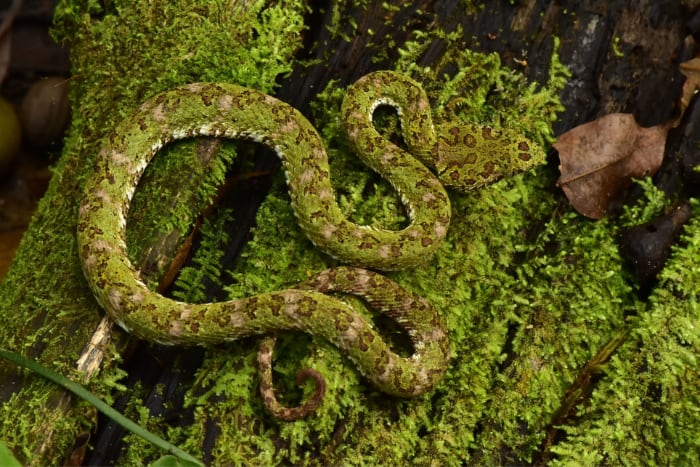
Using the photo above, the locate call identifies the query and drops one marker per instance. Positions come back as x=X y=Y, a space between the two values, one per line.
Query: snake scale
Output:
x=462 y=156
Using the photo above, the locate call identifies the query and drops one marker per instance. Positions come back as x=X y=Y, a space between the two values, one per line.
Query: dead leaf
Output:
x=600 y=158
x=691 y=71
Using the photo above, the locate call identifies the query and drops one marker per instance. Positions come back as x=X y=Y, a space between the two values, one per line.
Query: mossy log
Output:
x=558 y=355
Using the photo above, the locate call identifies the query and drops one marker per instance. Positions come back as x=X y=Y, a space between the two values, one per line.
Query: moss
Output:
x=356 y=424
x=645 y=410
x=190 y=286
x=650 y=205
x=121 y=54
x=530 y=290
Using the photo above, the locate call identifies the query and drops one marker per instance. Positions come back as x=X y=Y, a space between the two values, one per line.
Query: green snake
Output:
x=462 y=156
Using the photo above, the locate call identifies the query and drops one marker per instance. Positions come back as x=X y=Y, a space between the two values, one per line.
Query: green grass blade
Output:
x=86 y=395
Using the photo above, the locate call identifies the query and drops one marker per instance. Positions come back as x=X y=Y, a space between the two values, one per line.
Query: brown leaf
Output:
x=600 y=158
x=691 y=71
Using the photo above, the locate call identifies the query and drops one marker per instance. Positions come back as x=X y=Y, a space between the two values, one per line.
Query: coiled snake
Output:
x=463 y=156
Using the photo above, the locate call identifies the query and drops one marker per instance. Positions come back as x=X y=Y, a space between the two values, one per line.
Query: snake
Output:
x=431 y=158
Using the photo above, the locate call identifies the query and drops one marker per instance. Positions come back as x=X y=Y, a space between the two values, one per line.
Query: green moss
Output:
x=652 y=204
x=530 y=290
x=121 y=54
x=356 y=424
x=471 y=281
x=645 y=410
x=190 y=286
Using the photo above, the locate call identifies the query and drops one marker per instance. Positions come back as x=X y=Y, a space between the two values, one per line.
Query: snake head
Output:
x=471 y=156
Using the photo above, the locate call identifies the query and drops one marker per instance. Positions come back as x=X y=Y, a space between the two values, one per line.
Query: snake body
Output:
x=462 y=156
